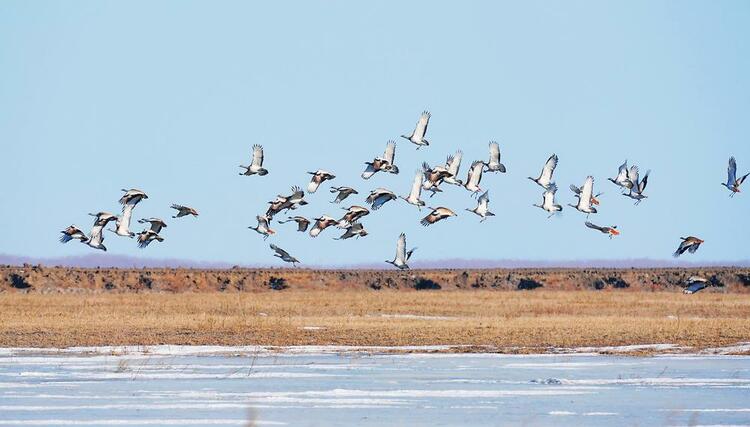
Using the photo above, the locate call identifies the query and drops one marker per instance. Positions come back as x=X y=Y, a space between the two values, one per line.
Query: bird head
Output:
x=613 y=231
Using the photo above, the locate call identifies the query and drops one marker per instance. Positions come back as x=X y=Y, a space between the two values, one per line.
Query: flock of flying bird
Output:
x=427 y=179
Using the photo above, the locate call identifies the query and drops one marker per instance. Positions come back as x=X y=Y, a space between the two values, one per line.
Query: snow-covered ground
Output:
x=344 y=386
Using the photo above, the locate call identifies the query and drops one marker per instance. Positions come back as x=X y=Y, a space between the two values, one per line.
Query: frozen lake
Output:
x=180 y=386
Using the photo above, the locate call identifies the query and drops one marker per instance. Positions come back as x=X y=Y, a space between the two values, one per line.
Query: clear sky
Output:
x=170 y=96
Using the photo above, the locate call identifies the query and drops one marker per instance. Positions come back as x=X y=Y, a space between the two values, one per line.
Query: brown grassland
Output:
x=520 y=321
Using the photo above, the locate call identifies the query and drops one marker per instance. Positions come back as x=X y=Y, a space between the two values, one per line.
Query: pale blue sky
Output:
x=169 y=97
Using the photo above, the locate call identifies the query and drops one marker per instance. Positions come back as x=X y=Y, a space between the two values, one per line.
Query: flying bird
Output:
x=733 y=184
x=321 y=224
x=343 y=193
x=482 y=208
x=122 y=224
x=256 y=165
x=417 y=136
x=436 y=215
x=302 y=222
x=183 y=211
x=132 y=196
x=263 y=228
x=378 y=197
x=474 y=177
x=96 y=236
x=585 y=197
x=545 y=177
x=638 y=185
x=548 y=201
x=352 y=215
x=690 y=244
x=494 y=164
x=156 y=224
x=402 y=255
x=416 y=191
x=385 y=163
x=577 y=190
x=621 y=180
x=433 y=177
x=318 y=177
x=72 y=232
x=285 y=203
x=610 y=231
x=452 y=164
x=284 y=255
x=145 y=237
x=353 y=230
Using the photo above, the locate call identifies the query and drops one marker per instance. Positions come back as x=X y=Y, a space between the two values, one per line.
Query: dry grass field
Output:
x=506 y=321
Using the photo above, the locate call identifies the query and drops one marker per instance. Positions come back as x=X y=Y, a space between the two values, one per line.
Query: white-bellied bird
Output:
x=145 y=237
x=548 y=201
x=638 y=185
x=585 y=204
x=452 y=164
x=416 y=192
x=545 y=177
x=621 y=180
x=156 y=224
x=494 y=165
x=353 y=230
x=417 y=137
x=402 y=255
x=483 y=208
x=352 y=215
x=72 y=233
x=256 y=164
x=263 y=228
x=132 y=196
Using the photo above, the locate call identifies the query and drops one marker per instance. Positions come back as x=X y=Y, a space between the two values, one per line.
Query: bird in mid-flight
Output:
x=548 y=201
x=733 y=183
x=494 y=164
x=256 y=165
x=689 y=244
x=610 y=231
x=284 y=255
x=385 y=163
x=417 y=136
x=183 y=211
x=482 y=209
x=545 y=177
x=318 y=177
x=402 y=255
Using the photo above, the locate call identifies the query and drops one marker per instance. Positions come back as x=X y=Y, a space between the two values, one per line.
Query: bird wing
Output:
x=390 y=151
x=633 y=175
x=484 y=199
x=494 y=152
x=97 y=236
x=548 y=169
x=622 y=172
x=588 y=190
x=176 y=206
x=123 y=223
x=279 y=251
x=401 y=248
x=454 y=162
x=369 y=171
x=257 y=155
x=416 y=186
x=732 y=172
x=421 y=129
x=313 y=185
x=642 y=184
x=575 y=189
x=475 y=173
x=594 y=226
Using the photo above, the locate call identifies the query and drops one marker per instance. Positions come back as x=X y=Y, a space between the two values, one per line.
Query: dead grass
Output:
x=531 y=320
